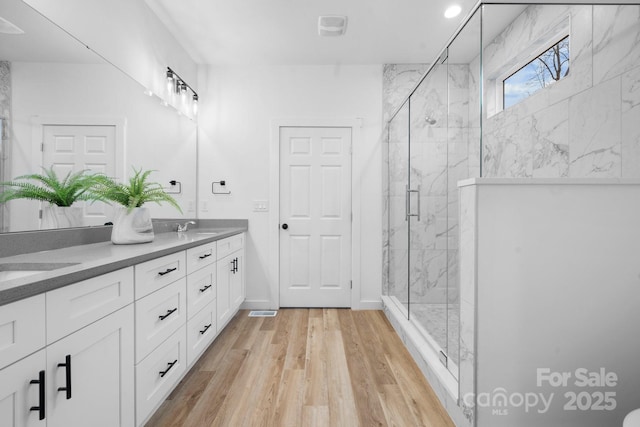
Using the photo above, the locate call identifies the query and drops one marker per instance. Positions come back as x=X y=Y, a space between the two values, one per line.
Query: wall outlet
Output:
x=261 y=206
x=204 y=206
x=190 y=206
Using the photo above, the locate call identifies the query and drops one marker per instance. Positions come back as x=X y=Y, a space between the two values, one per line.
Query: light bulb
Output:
x=452 y=11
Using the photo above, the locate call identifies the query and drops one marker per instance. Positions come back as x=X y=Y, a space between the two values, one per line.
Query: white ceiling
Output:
x=284 y=32
x=42 y=40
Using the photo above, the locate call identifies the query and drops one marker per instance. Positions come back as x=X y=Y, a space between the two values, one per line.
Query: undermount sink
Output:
x=14 y=270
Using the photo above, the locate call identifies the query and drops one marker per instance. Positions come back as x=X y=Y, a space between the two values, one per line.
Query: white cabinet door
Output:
x=18 y=395
x=223 y=299
x=236 y=285
x=94 y=367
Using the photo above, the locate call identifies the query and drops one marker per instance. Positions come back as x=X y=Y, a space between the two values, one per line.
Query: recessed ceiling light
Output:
x=452 y=11
x=332 y=25
x=7 y=27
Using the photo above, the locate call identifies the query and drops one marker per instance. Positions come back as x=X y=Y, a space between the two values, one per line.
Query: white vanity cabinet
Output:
x=231 y=288
x=201 y=299
x=107 y=351
x=84 y=375
x=160 y=330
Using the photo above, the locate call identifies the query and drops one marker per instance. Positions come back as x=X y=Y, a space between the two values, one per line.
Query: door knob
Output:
x=285 y=226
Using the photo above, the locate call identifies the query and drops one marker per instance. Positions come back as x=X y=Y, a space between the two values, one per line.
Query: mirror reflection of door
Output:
x=72 y=148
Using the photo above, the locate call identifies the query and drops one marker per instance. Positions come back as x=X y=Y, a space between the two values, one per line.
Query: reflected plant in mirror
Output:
x=74 y=187
x=59 y=194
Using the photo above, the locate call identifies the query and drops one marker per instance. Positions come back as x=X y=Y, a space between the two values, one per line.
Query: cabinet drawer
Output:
x=22 y=328
x=75 y=306
x=158 y=315
x=230 y=244
x=156 y=273
x=200 y=257
x=158 y=373
x=201 y=289
x=201 y=330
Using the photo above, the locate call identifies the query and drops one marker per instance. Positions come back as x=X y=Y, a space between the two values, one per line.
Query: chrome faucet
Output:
x=184 y=227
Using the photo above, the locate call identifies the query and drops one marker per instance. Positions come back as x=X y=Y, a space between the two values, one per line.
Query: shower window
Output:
x=545 y=69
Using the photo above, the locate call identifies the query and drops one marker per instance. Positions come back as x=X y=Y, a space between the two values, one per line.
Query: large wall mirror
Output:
x=63 y=106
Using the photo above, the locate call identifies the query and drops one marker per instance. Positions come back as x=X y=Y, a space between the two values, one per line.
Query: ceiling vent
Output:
x=332 y=25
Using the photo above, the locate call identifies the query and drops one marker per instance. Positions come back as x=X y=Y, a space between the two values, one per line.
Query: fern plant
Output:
x=49 y=188
x=136 y=193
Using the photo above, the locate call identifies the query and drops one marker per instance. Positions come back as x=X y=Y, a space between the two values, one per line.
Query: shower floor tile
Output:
x=433 y=318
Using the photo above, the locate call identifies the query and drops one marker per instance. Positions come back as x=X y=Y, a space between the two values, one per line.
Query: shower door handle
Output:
x=408 y=203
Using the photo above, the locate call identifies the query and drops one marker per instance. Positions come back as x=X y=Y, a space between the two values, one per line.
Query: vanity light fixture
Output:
x=452 y=11
x=185 y=104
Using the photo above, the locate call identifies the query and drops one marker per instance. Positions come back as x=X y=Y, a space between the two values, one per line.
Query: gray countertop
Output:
x=99 y=258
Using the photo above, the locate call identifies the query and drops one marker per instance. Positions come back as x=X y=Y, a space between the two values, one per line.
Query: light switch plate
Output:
x=261 y=206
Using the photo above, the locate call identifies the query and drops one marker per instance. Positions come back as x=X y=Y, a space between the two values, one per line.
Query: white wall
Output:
x=235 y=127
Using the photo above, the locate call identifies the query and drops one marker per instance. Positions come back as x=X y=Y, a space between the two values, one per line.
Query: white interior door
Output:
x=315 y=217
x=72 y=148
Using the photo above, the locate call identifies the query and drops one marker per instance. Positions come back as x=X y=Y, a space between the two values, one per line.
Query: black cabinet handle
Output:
x=235 y=266
x=170 y=365
x=167 y=271
x=285 y=226
x=41 y=400
x=67 y=366
x=169 y=313
x=205 y=288
x=205 y=329
x=205 y=255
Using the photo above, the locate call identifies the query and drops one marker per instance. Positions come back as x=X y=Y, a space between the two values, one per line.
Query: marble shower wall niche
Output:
x=585 y=125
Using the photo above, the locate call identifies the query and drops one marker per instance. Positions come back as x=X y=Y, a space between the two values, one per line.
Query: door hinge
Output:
x=350 y=284
x=443 y=358
x=42 y=147
x=40 y=214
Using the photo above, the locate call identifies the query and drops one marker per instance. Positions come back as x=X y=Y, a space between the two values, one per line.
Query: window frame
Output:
x=549 y=42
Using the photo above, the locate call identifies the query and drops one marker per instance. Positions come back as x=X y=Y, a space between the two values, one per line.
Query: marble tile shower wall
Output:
x=5 y=118
x=585 y=125
x=439 y=158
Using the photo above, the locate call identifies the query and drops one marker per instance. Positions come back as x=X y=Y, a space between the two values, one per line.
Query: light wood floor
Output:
x=305 y=368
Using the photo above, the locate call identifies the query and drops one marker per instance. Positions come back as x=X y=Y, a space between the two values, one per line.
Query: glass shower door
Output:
x=428 y=207
x=398 y=226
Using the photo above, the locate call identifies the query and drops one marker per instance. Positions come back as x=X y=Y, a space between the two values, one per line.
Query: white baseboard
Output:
x=257 y=305
x=369 y=305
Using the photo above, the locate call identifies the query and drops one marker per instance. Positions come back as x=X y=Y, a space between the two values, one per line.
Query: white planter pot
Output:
x=131 y=227
x=54 y=216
